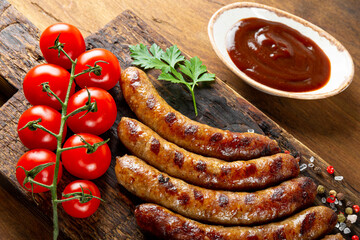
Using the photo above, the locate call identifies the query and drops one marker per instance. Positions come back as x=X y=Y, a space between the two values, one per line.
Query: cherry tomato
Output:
x=35 y=158
x=70 y=36
x=58 y=79
x=94 y=122
x=74 y=207
x=82 y=164
x=38 y=138
x=110 y=72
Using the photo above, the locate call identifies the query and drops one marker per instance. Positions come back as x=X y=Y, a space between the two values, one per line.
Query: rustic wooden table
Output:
x=330 y=127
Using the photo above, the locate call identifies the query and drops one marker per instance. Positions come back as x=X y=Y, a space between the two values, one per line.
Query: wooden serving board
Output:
x=218 y=106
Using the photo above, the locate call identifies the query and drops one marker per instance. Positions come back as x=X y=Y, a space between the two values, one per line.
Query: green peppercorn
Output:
x=332 y=192
x=348 y=210
x=320 y=189
x=341 y=218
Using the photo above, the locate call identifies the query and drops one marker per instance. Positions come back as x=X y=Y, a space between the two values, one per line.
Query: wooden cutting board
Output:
x=218 y=106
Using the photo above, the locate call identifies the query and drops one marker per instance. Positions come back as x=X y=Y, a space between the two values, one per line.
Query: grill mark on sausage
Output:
x=306 y=225
x=213 y=235
x=165 y=181
x=151 y=101
x=276 y=165
x=277 y=195
x=135 y=79
x=249 y=198
x=190 y=129
x=200 y=166
x=155 y=146
x=279 y=234
x=253 y=237
x=198 y=196
x=216 y=137
x=170 y=118
x=250 y=169
x=184 y=198
x=179 y=159
x=304 y=187
x=133 y=130
x=223 y=200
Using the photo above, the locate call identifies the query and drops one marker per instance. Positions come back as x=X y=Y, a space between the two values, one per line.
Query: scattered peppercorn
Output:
x=340 y=196
x=348 y=223
x=317 y=170
x=348 y=210
x=355 y=237
x=356 y=208
x=286 y=151
x=320 y=189
x=331 y=199
x=341 y=218
x=330 y=169
x=349 y=203
x=332 y=192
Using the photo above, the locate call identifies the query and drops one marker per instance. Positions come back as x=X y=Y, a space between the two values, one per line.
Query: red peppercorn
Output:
x=286 y=151
x=331 y=199
x=356 y=208
x=330 y=169
x=355 y=237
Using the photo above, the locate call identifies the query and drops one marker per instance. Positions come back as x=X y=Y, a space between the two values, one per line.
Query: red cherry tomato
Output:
x=110 y=72
x=70 y=36
x=58 y=79
x=38 y=138
x=74 y=207
x=82 y=164
x=94 y=122
x=35 y=158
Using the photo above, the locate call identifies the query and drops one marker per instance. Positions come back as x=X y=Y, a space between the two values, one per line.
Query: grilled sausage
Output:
x=309 y=224
x=153 y=110
x=214 y=206
x=204 y=171
x=334 y=237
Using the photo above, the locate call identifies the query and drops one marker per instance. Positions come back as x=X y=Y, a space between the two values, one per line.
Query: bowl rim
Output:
x=297 y=95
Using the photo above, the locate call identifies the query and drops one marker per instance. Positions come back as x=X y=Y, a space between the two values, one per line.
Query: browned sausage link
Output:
x=153 y=110
x=214 y=206
x=309 y=224
x=334 y=237
x=204 y=171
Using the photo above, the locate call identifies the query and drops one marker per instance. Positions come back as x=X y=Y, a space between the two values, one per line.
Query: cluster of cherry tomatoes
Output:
x=78 y=161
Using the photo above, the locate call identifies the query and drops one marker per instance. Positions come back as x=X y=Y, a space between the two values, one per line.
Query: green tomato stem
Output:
x=31 y=180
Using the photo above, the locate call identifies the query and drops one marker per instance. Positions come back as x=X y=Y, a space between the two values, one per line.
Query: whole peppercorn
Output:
x=320 y=189
x=356 y=208
x=348 y=223
x=317 y=170
x=349 y=204
x=348 y=211
x=341 y=218
x=332 y=192
x=330 y=169
x=340 y=196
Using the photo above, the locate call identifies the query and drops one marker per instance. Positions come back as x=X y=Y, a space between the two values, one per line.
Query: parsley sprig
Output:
x=191 y=71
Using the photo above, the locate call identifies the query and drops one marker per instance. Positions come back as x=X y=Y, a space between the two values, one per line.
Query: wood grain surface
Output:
x=330 y=127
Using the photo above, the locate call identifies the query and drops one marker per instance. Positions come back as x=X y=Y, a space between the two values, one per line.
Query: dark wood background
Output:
x=329 y=127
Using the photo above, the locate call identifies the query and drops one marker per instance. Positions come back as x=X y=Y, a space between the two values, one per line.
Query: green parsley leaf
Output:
x=167 y=62
x=172 y=56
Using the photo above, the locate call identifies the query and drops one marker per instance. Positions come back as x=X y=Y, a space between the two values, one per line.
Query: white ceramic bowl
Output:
x=342 y=66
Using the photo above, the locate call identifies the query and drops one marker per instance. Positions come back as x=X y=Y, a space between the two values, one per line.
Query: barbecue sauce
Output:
x=277 y=56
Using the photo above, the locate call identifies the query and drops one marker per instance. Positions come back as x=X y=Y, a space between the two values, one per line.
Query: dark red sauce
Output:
x=277 y=56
